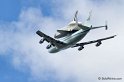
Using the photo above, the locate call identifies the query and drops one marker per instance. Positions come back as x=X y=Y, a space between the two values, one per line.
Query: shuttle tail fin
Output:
x=75 y=17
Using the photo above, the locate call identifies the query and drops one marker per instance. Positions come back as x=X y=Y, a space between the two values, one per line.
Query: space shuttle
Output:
x=72 y=27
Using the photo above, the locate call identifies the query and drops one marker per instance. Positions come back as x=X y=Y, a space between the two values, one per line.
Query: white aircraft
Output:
x=69 y=36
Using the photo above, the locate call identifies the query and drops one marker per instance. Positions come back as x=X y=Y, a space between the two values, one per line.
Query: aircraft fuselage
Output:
x=70 y=40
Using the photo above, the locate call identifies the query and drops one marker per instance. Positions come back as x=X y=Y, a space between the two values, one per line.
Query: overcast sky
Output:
x=23 y=59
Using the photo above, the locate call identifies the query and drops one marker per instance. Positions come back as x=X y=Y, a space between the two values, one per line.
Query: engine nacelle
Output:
x=41 y=41
x=48 y=46
x=98 y=43
x=80 y=48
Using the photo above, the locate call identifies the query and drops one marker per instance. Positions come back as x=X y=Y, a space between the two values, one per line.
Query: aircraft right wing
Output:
x=51 y=40
x=90 y=42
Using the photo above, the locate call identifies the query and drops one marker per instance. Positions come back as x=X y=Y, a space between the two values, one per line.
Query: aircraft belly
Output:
x=54 y=49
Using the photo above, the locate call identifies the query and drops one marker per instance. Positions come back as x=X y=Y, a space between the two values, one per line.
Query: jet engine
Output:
x=98 y=43
x=48 y=46
x=41 y=41
x=80 y=48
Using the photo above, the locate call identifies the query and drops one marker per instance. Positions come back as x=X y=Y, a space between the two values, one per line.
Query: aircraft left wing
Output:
x=51 y=40
x=90 y=42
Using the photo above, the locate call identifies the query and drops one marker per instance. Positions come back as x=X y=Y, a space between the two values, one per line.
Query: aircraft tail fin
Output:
x=87 y=22
x=75 y=17
x=89 y=17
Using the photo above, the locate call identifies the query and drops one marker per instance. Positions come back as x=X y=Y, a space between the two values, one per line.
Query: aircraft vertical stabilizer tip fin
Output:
x=106 y=26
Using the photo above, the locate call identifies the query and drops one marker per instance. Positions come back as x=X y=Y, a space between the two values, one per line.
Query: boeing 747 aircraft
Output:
x=69 y=36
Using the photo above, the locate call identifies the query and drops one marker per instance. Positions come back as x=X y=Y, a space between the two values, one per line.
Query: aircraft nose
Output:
x=53 y=50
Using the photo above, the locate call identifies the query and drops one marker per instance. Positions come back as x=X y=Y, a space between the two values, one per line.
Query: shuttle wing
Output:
x=66 y=32
x=94 y=41
x=63 y=31
x=51 y=40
